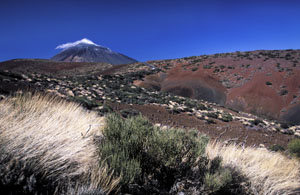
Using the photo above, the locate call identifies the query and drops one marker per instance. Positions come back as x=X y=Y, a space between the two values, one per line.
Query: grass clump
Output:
x=47 y=147
x=294 y=147
x=267 y=172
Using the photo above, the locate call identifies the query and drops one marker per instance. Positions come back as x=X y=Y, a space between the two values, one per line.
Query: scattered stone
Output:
x=287 y=131
x=2 y=97
x=70 y=93
x=262 y=146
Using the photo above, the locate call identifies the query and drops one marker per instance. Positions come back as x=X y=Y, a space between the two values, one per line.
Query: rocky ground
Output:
x=113 y=89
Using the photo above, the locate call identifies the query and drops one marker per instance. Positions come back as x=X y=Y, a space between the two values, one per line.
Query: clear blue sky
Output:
x=148 y=29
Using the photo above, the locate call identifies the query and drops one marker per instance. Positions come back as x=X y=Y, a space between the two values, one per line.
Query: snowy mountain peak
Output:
x=86 y=50
x=72 y=44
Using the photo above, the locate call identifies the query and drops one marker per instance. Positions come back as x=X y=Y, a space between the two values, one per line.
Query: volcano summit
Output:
x=87 y=51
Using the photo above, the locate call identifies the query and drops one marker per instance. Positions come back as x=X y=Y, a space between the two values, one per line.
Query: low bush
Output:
x=201 y=106
x=195 y=104
x=105 y=109
x=123 y=144
x=226 y=117
x=257 y=122
x=284 y=125
x=194 y=69
x=207 y=66
x=294 y=147
x=212 y=115
x=88 y=104
x=137 y=142
x=276 y=148
x=126 y=113
x=141 y=153
x=210 y=121
x=218 y=180
x=216 y=70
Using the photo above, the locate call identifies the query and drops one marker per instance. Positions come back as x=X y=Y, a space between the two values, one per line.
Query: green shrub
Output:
x=124 y=139
x=105 y=109
x=294 y=147
x=257 y=122
x=216 y=70
x=207 y=66
x=133 y=148
x=126 y=113
x=170 y=147
x=277 y=148
x=195 y=104
x=212 y=115
x=190 y=103
x=226 y=117
x=284 y=125
x=85 y=102
x=216 y=176
x=201 y=107
x=214 y=182
x=210 y=121
x=187 y=109
x=268 y=83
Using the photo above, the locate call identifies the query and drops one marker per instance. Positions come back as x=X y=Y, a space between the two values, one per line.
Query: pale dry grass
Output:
x=268 y=172
x=54 y=134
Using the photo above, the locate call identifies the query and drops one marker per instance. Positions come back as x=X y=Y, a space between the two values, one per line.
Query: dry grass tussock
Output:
x=268 y=172
x=55 y=137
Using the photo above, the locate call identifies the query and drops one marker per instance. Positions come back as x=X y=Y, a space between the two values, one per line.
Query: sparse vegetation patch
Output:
x=294 y=147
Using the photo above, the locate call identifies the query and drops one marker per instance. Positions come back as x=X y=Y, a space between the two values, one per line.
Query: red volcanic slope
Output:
x=261 y=82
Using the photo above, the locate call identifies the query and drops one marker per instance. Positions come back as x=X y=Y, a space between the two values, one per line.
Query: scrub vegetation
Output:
x=51 y=146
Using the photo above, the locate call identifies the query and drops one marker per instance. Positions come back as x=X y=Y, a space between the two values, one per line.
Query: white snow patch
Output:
x=68 y=45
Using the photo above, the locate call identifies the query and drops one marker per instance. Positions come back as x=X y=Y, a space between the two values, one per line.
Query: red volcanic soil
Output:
x=230 y=132
x=265 y=83
x=198 y=85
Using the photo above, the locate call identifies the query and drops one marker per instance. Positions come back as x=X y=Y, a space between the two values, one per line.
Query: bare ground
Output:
x=226 y=131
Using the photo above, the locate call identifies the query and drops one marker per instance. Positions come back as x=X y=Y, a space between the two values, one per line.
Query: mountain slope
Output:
x=261 y=82
x=87 y=51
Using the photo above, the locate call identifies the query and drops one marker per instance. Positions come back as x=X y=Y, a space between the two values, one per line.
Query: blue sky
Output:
x=148 y=29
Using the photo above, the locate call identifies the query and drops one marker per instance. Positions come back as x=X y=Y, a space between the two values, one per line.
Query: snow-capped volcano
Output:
x=87 y=51
x=82 y=41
